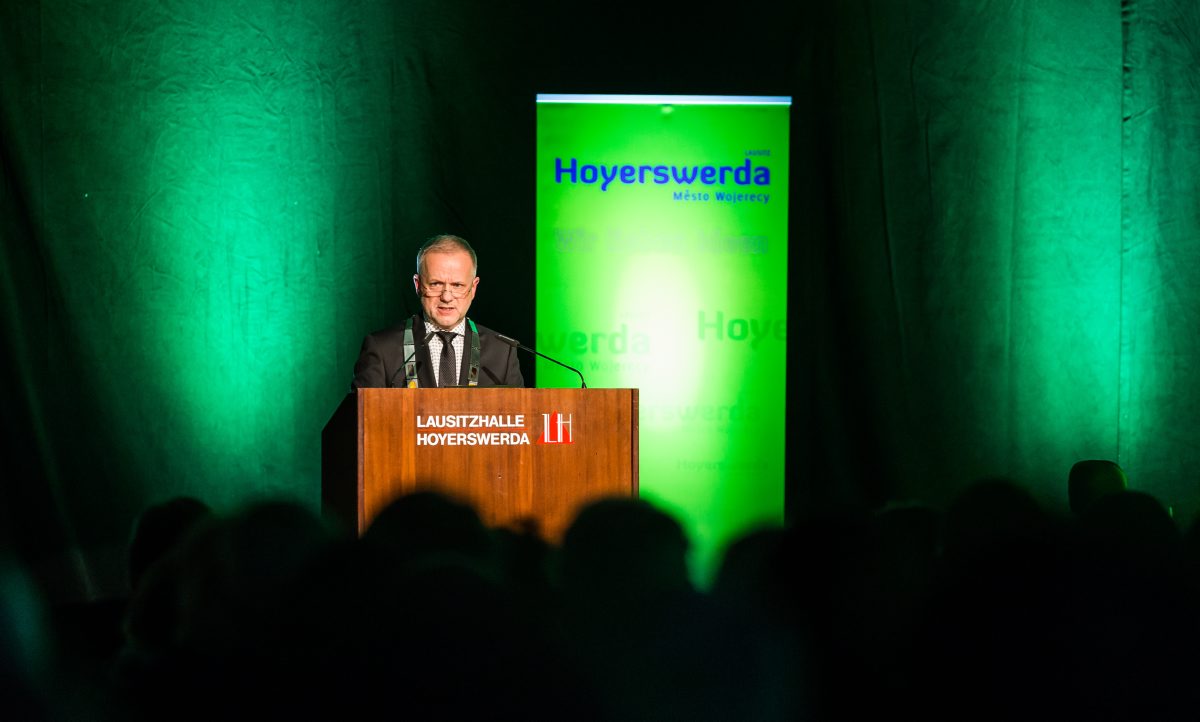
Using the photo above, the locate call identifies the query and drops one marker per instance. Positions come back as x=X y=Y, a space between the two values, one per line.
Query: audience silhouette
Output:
x=992 y=609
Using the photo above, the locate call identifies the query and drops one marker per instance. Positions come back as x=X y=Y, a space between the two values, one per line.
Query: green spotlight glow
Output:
x=221 y=175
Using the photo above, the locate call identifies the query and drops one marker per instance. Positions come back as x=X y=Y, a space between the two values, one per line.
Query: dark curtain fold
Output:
x=1159 y=421
x=976 y=175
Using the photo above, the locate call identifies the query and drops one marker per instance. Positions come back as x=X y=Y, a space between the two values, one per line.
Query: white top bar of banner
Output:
x=665 y=99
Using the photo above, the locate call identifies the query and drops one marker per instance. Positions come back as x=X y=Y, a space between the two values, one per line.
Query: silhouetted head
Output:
x=159 y=529
x=1091 y=479
x=428 y=523
x=1132 y=525
x=234 y=573
x=992 y=515
x=625 y=547
x=753 y=572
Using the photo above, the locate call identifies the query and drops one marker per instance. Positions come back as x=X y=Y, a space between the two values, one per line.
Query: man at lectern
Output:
x=441 y=346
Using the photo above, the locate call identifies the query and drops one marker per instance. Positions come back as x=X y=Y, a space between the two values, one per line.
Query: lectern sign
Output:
x=515 y=454
x=482 y=430
x=471 y=421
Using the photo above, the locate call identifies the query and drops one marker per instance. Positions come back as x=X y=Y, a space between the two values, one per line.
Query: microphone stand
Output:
x=517 y=344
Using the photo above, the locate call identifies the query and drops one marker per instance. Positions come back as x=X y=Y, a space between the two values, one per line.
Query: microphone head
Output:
x=508 y=340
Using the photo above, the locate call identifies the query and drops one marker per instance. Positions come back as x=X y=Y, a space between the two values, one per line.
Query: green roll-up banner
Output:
x=662 y=252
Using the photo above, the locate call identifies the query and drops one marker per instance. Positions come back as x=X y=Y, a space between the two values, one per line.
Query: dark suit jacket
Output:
x=381 y=361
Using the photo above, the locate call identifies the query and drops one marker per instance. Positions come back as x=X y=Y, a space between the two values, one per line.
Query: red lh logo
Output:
x=556 y=429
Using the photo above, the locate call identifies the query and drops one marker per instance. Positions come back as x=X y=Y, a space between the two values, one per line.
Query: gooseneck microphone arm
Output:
x=424 y=342
x=517 y=344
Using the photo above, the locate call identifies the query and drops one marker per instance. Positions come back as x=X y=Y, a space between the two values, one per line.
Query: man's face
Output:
x=446 y=285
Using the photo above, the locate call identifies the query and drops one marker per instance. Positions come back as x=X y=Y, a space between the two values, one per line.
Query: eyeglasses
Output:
x=435 y=289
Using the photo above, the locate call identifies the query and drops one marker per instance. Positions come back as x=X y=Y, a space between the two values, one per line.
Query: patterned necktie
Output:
x=448 y=370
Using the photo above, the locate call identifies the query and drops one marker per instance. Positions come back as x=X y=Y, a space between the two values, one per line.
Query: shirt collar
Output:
x=459 y=329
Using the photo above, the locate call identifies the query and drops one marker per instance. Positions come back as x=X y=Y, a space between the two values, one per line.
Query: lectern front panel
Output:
x=514 y=454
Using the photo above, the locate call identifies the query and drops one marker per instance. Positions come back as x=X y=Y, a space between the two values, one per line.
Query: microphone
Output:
x=424 y=342
x=517 y=344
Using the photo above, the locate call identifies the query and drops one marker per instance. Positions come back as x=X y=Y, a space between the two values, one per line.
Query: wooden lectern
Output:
x=514 y=454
